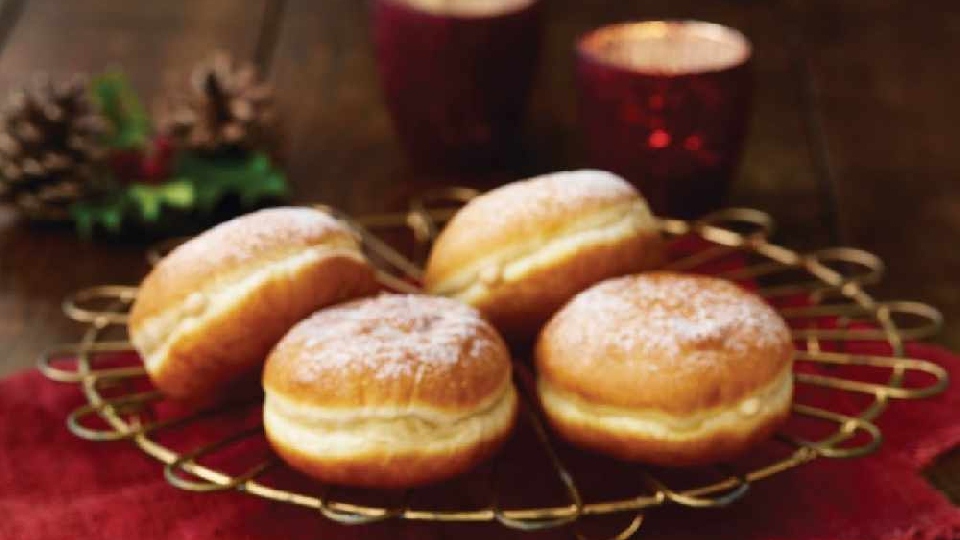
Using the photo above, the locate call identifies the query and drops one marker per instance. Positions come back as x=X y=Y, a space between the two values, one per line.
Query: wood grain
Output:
x=889 y=147
x=888 y=96
x=155 y=45
x=777 y=174
x=339 y=143
x=341 y=146
x=852 y=136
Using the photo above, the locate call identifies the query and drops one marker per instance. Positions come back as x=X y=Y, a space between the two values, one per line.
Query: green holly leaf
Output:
x=252 y=178
x=200 y=184
x=118 y=101
x=150 y=200
x=106 y=213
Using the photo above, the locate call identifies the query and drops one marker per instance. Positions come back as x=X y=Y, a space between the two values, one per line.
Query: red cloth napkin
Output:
x=55 y=486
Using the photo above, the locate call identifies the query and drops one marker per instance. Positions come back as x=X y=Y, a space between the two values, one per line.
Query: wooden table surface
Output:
x=852 y=141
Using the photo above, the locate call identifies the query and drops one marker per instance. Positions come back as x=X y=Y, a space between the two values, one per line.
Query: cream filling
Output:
x=156 y=335
x=766 y=402
x=338 y=433
x=511 y=265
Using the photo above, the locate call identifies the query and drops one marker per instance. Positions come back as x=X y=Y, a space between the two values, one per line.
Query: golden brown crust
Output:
x=234 y=343
x=252 y=278
x=521 y=308
x=389 y=392
x=666 y=368
x=231 y=247
x=402 y=351
x=568 y=230
x=391 y=470
x=675 y=343
x=535 y=208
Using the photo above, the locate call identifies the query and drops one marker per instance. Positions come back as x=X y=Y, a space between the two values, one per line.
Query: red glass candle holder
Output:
x=456 y=75
x=665 y=104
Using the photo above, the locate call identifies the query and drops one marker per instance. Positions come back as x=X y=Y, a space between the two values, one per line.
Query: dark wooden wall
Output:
x=852 y=138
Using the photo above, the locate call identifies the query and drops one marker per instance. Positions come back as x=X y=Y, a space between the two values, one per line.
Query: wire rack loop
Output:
x=831 y=282
x=47 y=361
x=175 y=470
x=112 y=406
x=74 y=307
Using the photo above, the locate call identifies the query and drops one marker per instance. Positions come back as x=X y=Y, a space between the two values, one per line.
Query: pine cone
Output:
x=50 y=148
x=228 y=110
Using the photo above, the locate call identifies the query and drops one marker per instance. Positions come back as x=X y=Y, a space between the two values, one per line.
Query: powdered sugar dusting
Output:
x=393 y=336
x=679 y=313
x=248 y=236
x=553 y=193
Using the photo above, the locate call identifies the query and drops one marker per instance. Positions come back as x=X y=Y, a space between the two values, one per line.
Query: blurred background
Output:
x=852 y=136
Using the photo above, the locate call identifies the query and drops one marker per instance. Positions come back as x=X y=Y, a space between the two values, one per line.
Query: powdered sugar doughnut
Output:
x=392 y=391
x=519 y=252
x=666 y=368
x=210 y=311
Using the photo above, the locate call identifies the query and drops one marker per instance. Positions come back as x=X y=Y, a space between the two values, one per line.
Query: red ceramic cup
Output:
x=665 y=104
x=455 y=76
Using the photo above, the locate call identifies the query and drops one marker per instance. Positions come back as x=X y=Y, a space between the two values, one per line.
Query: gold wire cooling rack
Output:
x=829 y=282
